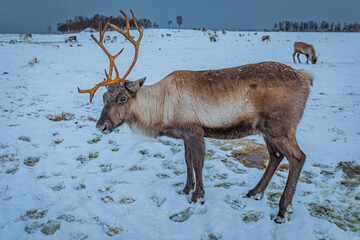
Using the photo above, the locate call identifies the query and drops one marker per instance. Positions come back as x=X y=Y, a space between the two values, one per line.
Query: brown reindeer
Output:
x=307 y=49
x=107 y=39
x=265 y=98
x=114 y=39
x=71 y=39
x=267 y=38
x=28 y=37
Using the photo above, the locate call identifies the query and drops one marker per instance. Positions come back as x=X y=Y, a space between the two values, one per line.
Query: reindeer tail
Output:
x=307 y=76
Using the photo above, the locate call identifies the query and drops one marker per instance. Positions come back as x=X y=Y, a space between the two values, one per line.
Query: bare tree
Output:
x=49 y=29
x=179 y=20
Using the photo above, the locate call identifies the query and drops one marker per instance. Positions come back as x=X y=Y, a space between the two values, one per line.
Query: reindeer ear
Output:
x=134 y=86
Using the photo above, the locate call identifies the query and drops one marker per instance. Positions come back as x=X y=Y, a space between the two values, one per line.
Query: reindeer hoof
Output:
x=278 y=219
x=256 y=196
x=283 y=217
x=187 y=190
x=198 y=197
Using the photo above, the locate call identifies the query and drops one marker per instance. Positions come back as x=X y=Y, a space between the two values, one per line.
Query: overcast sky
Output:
x=34 y=16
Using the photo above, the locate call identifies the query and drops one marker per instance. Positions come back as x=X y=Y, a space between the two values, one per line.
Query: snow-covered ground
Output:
x=65 y=180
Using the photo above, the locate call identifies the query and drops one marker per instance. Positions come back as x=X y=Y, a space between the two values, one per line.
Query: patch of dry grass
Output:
x=61 y=117
x=31 y=161
x=33 y=62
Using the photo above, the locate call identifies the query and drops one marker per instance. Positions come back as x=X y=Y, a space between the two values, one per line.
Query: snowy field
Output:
x=62 y=179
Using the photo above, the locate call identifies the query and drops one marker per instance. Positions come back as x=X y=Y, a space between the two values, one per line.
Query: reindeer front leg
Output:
x=197 y=154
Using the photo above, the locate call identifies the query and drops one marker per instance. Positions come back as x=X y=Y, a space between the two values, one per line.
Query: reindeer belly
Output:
x=240 y=130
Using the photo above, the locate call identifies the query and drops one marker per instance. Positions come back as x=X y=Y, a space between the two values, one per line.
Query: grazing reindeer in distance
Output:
x=107 y=39
x=265 y=98
x=28 y=37
x=267 y=38
x=307 y=49
x=114 y=39
x=71 y=39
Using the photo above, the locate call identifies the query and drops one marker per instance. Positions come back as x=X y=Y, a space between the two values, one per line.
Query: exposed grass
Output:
x=106 y=167
x=31 y=161
x=3 y=146
x=247 y=151
x=94 y=140
x=58 y=141
x=345 y=217
x=61 y=117
x=252 y=155
x=34 y=214
x=251 y=216
x=91 y=119
x=109 y=230
x=93 y=155
x=8 y=158
x=126 y=200
x=25 y=138
x=107 y=199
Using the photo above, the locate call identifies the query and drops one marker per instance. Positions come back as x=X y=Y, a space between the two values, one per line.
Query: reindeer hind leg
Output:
x=296 y=158
x=275 y=159
x=189 y=186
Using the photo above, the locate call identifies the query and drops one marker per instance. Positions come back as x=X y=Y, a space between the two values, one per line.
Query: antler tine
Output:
x=137 y=27
x=102 y=33
x=91 y=91
x=126 y=20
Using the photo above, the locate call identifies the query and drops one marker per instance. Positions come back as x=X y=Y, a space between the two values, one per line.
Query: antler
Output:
x=126 y=34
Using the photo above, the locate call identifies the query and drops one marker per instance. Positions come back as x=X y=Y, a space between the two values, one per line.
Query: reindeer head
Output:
x=117 y=104
x=120 y=92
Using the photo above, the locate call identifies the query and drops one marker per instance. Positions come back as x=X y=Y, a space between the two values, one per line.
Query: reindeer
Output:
x=307 y=49
x=213 y=38
x=265 y=98
x=107 y=39
x=28 y=36
x=114 y=39
x=71 y=39
x=267 y=38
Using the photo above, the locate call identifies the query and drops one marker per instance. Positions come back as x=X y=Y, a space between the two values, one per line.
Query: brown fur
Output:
x=266 y=98
x=307 y=49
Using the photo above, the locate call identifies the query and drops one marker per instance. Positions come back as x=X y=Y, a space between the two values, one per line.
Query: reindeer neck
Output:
x=147 y=111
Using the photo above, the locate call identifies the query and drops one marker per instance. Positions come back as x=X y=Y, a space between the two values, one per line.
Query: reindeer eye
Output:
x=122 y=99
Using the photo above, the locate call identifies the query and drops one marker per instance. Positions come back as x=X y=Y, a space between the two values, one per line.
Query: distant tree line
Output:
x=80 y=23
x=311 y=26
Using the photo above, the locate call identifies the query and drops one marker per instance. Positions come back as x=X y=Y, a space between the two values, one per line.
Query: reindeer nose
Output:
x=104 y=127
